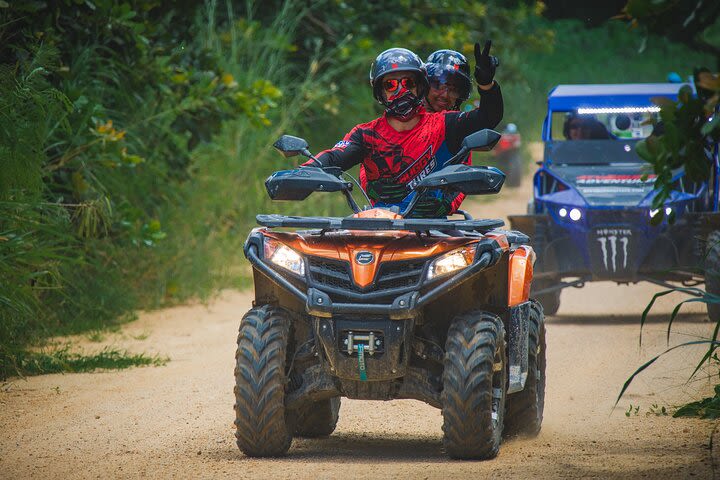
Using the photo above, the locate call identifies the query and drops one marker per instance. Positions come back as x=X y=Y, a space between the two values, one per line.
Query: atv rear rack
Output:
x=375 y=224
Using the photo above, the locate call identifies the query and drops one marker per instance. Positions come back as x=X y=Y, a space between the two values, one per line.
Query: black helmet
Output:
x=397 y=60
x=444 y=64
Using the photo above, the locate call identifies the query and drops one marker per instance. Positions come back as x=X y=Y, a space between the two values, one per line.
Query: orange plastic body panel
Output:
x=520 y=273
x=390 y=245
x=501 y=239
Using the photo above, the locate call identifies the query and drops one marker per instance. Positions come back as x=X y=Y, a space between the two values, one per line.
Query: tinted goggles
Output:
x=392 y=84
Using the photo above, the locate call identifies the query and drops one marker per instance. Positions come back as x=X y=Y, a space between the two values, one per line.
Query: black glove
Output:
x=485 y=64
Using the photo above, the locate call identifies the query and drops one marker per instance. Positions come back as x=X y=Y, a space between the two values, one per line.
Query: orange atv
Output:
x=378 y=306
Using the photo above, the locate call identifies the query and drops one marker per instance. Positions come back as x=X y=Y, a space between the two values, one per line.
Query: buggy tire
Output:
x=524 y=410
x=474 y=386
x=712 y=273
x=260 y=419
x=550 y=301
x=317 y=419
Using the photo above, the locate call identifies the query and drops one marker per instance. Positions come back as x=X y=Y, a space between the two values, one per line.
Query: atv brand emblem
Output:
x=614 y=241
x=364 y=258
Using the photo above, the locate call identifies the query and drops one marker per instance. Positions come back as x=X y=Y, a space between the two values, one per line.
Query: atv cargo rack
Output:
x=375 y=224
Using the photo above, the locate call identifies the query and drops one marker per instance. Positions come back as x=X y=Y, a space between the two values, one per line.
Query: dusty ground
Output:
x=176 y=421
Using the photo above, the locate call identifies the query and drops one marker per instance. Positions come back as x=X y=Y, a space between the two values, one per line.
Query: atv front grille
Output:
x=399 y=274
x=330 y=273
x=335 y=277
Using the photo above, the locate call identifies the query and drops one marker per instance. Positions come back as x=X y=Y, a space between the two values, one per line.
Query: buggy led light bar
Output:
x=588 y=111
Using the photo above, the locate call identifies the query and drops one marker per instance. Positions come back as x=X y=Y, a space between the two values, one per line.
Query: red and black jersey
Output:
x=394 y=162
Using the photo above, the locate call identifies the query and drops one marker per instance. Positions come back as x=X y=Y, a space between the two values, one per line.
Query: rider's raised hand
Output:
x=485 y=64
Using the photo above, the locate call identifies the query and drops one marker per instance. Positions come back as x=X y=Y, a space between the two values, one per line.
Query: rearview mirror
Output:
x=484 y=140
x=290 y=146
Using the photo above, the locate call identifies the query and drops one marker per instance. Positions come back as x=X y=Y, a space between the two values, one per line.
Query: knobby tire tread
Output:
x=467 y=386
x=318 y=419
x=260 y=379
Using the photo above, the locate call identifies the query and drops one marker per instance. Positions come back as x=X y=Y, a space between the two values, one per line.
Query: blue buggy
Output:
x=589 y=218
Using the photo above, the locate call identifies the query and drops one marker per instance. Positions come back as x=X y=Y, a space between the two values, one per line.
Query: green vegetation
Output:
x=135 y=136
x=689 y=132
x=65 y=361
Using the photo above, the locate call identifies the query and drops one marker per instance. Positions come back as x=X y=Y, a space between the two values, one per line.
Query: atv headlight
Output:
x=451 y=261
x=284 y=256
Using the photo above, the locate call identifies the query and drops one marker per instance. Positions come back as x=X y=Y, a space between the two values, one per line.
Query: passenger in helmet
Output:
x=400 y=148
x=449 y=78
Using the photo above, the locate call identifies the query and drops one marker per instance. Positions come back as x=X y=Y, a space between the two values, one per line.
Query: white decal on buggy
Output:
x=624 y=241
x=613 y=236
x=603 y=241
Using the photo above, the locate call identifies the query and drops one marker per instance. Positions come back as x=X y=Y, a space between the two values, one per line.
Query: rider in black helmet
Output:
x=449 y=77
x=400 y=103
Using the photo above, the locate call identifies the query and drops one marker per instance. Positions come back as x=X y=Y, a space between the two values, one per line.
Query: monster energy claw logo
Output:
x=613 y=241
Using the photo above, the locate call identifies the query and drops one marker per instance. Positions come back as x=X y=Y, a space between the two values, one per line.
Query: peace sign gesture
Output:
x=485 y=64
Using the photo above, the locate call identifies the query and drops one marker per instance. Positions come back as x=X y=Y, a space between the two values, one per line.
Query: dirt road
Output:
x=176 y=421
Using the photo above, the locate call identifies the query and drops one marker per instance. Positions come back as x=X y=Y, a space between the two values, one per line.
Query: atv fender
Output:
x=520 y=274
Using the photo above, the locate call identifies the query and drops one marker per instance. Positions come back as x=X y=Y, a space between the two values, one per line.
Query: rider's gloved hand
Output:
x=485 y=64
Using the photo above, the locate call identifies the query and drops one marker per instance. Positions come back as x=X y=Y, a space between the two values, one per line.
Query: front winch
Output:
x=372 y=342
x=385 y=347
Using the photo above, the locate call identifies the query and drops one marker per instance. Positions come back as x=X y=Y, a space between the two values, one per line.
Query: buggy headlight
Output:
x=574 y=214
x=451 y=261
x=284 y=256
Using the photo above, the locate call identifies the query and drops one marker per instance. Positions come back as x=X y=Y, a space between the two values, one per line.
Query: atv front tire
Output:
x=317 y=419
x=262 y=429
x=712 y=273
x=524 y=411
x=474 y=386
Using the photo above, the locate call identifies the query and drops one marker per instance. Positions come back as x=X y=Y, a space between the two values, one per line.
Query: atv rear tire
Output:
x=318 y=419
x=474 y=386
x=712 y=273
x=524 y=410
x=261 y=426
